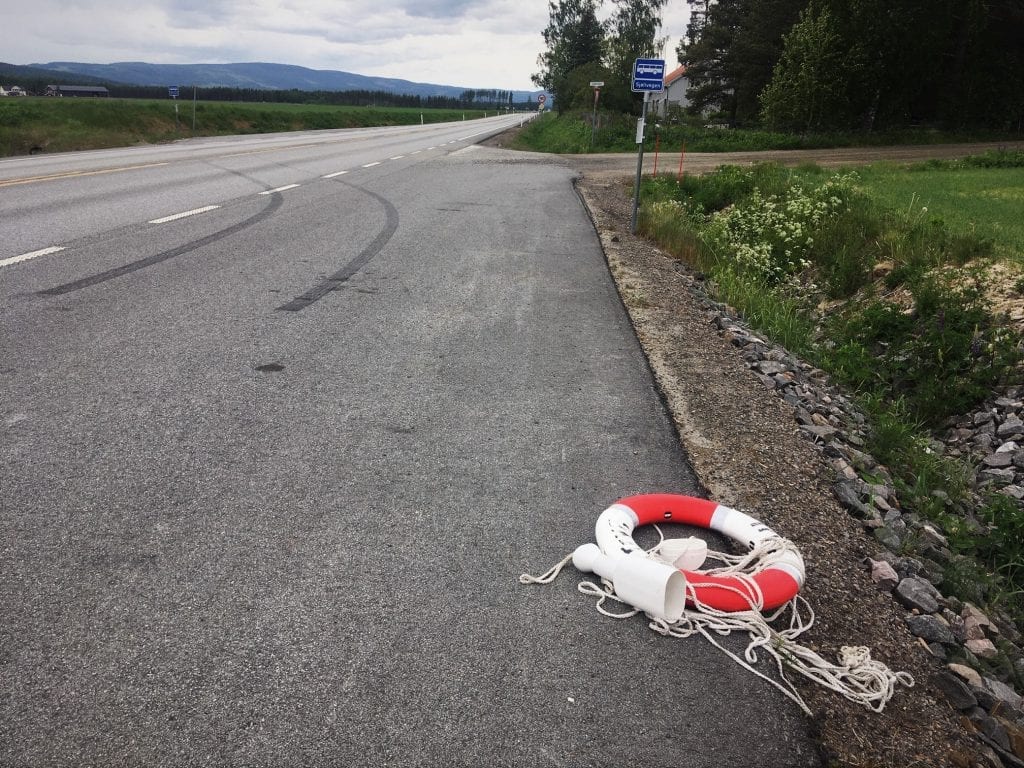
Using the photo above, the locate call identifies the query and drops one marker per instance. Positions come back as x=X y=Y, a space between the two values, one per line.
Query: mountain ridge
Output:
x=256 y=75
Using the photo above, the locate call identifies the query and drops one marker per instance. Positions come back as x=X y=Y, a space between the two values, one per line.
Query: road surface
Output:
x=284 y=418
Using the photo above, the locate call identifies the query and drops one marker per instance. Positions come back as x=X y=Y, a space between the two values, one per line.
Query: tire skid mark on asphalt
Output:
x=336 y=280
x=272 y=206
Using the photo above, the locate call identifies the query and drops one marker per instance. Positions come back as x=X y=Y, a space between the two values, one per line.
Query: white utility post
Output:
x=596 y=85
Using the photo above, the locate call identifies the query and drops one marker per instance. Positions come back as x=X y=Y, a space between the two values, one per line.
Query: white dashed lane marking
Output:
x=396 y=157
x=176 y=216
x=332 y=175
x=31 y=255
x=370 y=165
x=279 y=189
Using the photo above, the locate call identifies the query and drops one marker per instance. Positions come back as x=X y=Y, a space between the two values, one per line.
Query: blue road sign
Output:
x=172 y=91
x=648 y=75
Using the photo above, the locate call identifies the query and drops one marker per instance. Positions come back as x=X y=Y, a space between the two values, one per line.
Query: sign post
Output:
x=648 y=78
x=540 y=102
x=172 y=91
x=596 y=85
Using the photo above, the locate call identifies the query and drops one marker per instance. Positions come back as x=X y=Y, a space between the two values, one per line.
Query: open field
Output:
x=984 y=201
x=40 y=124
x=570 y=133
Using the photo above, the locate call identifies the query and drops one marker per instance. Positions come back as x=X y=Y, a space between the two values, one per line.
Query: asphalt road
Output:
x=270 y=470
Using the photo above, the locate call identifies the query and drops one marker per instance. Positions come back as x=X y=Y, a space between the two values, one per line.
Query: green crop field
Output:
x=40 y=124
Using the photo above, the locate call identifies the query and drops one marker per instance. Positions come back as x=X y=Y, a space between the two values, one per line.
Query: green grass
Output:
x=57 y=125
x=569 y=133
x=794 y=250
x=987 y=202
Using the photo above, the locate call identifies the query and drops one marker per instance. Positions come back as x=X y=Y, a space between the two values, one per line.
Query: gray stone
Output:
x=989 y=726
x=1003 y=693
x=914 y=592
x=1011 y=427
x=770 y=367
x=1013 y=491
x=937 y=650
x=1008 y=447
x=955 y=690
x=893 y=518
x=998 y=460
x=824 y=434
x=982 y=417
x=848 y=496
x=931 y=537
x=908 y=566
x=930 y=628
x=996 y=476
x=888 y=537
x=985 y=698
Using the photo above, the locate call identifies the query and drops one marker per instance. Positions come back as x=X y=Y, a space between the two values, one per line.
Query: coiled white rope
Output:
x=856 y=676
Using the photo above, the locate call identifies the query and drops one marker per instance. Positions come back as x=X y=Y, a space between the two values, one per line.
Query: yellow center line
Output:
x=75 y=174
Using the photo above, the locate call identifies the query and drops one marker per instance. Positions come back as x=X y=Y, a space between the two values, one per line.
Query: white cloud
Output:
x=472 y=43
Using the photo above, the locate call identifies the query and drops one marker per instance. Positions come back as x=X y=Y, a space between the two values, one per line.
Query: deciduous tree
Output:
x=573 y=37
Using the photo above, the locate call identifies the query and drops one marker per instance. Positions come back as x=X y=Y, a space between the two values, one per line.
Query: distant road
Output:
x=282 y=420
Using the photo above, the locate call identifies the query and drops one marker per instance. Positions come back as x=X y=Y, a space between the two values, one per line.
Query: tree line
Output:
x=469 y=99
x=807 y=65
x=581 y=49
x=812 y=65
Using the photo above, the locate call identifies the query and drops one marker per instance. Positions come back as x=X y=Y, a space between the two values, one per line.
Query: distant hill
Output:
x=14 y=74
x=251 y=75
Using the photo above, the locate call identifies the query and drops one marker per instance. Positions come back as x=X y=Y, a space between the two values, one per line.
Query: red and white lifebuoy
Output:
x=777 y=582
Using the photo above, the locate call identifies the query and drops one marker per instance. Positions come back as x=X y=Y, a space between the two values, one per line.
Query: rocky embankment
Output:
x=982 y=653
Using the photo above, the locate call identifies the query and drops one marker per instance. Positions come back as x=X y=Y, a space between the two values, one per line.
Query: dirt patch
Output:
x=745 y=447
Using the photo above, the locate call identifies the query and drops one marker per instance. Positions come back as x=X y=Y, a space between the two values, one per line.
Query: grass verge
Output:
x=29 y=124
x=570 y=133
x=895 y=300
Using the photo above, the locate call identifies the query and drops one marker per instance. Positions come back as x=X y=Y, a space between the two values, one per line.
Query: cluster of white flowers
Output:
x=666 y=209
x=772 y=236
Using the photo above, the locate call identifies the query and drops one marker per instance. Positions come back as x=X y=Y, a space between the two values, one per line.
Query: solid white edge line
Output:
x=279 y=189
x=370 y=165
x=176 y=216
x=332 y=175
x=31 y=255
x=396 y=157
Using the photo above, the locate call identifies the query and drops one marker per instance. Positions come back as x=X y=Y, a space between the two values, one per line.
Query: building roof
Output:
x=675 y=74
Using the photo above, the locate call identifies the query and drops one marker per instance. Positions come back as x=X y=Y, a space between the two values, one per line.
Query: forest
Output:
x=809 y=65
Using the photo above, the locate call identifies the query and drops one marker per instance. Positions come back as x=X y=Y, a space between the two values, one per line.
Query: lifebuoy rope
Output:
x=856 y=676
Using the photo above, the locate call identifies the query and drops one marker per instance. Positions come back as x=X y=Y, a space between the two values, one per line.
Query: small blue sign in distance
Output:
x=648 y=75
x=172 y=91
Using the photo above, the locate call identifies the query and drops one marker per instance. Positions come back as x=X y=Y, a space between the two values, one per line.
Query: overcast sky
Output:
x=469 y=43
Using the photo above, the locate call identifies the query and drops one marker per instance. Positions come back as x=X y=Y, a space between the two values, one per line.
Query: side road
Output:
x=746 y=449
x=614 y=165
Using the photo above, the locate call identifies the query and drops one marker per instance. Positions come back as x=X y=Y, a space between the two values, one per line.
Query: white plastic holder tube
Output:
x=648 y=585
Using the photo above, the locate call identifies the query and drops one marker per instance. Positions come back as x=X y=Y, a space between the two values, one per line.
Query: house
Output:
x=14 y=90
x=77 y=90
x=673 y=95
